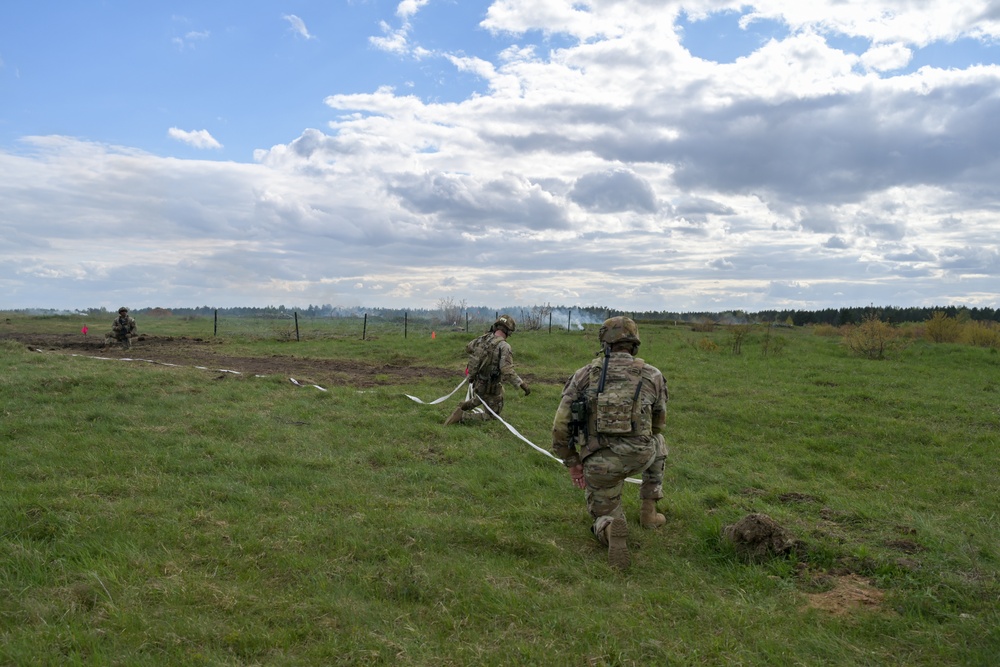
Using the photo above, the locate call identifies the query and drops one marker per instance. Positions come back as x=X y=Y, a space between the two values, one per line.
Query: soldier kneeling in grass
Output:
x=608 y=426
x=491 y=364
x=123 y=330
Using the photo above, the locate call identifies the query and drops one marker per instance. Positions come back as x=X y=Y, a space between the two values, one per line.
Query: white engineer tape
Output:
x=299 y=384
x=201 y=368
x=470 y=393
x=547 y=453
x=443 y=398
x=465 y=382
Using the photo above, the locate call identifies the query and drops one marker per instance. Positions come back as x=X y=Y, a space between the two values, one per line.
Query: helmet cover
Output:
x=507 y=322
x=619 y=329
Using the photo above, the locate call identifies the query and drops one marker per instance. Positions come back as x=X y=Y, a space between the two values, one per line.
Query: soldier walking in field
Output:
x=123 y=329
x=491 y=364
x=608 y=426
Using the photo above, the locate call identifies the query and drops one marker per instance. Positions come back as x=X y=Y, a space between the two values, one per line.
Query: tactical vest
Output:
x=618 y=410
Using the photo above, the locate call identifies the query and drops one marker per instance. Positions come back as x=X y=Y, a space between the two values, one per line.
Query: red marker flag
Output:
x=84 y=329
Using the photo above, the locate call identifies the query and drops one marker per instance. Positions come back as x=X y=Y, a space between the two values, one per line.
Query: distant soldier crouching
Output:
x=491 y=364
x=123 y=330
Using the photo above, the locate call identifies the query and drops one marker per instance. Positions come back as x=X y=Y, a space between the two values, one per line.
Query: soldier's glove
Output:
x=525 y=388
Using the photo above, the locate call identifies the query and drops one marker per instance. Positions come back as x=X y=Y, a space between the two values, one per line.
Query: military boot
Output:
x=455 y=416
x=617 y=533
x=648 y=516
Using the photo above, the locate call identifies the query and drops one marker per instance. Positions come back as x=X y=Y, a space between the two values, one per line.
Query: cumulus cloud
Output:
x=885 y=57
x=195 y=138
x=984 y=261
x=801 y=174
x=407 y=8
x=475 y=205
x=613 y=191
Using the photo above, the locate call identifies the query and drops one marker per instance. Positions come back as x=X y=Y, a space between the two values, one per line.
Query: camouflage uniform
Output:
x=122 y=329
x=608 y=459
x=491 y=364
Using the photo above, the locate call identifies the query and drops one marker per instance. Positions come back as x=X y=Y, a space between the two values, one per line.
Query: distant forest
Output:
x=450 y=311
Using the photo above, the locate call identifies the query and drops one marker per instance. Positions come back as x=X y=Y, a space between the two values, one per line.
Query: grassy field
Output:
x=154 y=515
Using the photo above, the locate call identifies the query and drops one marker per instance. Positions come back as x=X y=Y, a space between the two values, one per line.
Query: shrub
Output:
x=981 y=334
x=912 y=330
x=771 y=344
x=825 y=330
x=737 y=334
x=942 y=329
x=706 y=345
x=873 y=338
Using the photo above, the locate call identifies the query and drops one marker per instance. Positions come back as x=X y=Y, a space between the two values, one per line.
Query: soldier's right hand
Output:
x=525 y=388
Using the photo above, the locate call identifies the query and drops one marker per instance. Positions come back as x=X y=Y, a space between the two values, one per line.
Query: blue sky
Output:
x=634 y=154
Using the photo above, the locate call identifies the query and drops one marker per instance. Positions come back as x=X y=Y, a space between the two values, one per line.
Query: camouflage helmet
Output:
x=505 y=321
x=123 y=309
x=619 y=329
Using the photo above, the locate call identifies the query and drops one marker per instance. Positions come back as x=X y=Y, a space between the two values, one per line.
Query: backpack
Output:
x=618 y=410
x=484 y=360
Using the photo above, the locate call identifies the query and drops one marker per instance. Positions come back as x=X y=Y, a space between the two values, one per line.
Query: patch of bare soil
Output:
x=849 y=593
x=758 y=537
x=199 y=352
x=906 y=546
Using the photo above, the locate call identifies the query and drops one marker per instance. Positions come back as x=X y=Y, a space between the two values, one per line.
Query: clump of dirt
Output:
x=758 y=537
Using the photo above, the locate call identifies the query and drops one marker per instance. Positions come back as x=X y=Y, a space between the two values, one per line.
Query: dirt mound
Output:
x=758 y=537
x=202 y=353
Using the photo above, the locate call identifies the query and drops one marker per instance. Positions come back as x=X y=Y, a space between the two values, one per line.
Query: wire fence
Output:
x=296 y=326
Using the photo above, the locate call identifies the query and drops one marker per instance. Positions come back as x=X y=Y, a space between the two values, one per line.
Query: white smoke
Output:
x=573 y=318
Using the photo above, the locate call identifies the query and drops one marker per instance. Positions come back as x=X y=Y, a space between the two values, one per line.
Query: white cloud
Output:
x=190 y=39
x=298 y=25
x=393 y=40
x=407 y=8
x=886 y=57
x=195 y=138
x=613 y=191
x=396 y=40
x=800 y=175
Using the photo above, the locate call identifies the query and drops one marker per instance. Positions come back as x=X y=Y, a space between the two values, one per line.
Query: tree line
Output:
x=453 y=311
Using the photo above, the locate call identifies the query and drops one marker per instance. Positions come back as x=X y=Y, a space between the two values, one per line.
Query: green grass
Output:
x=156 y=515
